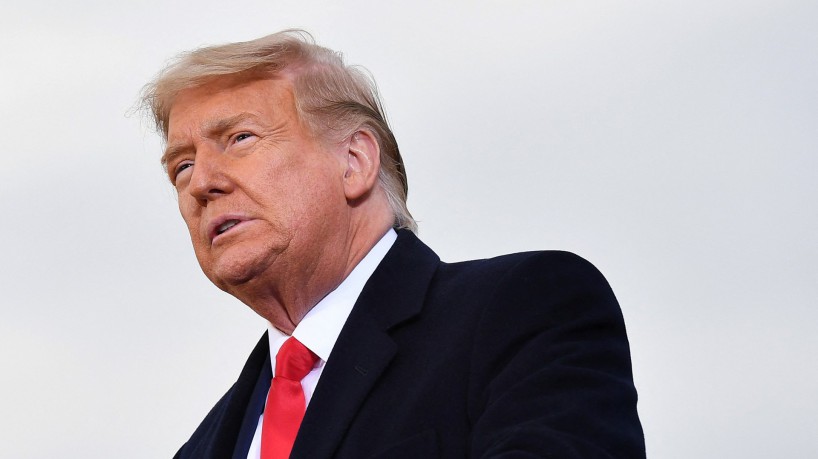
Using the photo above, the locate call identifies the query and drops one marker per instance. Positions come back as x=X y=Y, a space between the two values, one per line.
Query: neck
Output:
x=284 y=297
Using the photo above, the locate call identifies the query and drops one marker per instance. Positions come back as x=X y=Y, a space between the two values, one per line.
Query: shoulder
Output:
x=550 y=353
x=529 y=276
x=557 y=262
x=554 y=287
x=546 y=293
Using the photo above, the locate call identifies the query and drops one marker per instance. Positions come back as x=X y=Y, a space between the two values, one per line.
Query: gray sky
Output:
x=673 y=144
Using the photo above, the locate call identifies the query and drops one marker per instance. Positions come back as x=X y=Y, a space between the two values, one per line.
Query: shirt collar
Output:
x=319 y=329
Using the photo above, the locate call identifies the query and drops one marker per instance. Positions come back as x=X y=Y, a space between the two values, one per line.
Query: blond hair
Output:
x=333 y=99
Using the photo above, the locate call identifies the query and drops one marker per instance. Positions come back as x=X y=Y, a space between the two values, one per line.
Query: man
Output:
x=293 y=190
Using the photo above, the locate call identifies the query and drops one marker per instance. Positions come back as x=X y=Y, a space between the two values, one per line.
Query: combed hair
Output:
x=333 y=99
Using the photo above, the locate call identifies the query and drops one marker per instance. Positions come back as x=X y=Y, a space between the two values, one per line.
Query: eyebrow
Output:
x=212 y=129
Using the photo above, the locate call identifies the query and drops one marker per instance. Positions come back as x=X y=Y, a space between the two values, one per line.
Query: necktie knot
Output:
x=294 y=360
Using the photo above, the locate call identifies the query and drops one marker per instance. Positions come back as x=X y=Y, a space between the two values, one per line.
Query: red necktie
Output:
x=285 y=401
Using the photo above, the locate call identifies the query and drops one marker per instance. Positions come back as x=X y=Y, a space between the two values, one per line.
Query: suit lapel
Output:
x=255 y=407
x=364 y=348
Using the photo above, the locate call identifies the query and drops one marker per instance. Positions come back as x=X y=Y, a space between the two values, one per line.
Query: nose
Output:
x=209 y=179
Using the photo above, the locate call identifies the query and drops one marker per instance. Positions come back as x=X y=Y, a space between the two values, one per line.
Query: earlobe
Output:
x=363 y=164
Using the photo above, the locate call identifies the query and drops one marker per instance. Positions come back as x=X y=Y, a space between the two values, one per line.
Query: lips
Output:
x=223 y=224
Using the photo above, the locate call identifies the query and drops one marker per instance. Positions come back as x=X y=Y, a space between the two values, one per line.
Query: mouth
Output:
x=221 y=229
x=223 y=225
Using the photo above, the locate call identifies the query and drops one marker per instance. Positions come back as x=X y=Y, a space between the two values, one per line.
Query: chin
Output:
x=226 y=274
x=226 y=279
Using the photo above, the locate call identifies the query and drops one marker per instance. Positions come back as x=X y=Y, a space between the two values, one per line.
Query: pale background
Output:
x=672 y=143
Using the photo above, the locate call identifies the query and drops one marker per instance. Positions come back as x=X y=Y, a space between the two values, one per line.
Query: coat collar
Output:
x=393 y=294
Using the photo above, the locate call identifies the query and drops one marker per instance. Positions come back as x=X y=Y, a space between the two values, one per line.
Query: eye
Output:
x=242 y=136
x=181 y=167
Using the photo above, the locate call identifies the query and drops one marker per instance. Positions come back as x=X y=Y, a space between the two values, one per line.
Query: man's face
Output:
x=262 y=199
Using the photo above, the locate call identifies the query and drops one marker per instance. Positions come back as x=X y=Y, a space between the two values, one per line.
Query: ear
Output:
x=362 y=164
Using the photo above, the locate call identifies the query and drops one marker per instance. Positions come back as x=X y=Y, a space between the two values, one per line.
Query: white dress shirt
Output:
x=319 y=329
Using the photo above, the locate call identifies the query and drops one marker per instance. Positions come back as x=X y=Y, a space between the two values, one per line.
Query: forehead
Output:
x=195 y=108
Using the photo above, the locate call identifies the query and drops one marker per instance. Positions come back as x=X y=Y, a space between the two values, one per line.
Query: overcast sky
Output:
x=672 y=143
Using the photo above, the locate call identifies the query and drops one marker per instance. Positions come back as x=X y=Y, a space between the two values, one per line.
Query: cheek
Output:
x=189 y=214
x=185 y=210
x=317 y=198
x=299 y=194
